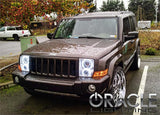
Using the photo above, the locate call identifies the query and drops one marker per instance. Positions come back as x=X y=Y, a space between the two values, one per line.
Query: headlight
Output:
x=86 y=67
x=24 y=63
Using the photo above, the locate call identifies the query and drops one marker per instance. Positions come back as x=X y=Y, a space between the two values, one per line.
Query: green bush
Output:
x=150 y=51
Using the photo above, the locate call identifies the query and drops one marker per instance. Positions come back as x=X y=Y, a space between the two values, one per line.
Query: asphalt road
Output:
x=16 y=101
x=9 y=48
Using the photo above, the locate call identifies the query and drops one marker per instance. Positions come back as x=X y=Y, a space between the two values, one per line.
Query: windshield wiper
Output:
x=90 y=37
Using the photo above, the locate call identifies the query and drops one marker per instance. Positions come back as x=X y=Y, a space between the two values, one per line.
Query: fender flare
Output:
x=14 y=35
x=113 y=63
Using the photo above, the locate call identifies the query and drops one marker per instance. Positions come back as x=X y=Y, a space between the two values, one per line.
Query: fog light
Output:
x=16 y=79
x=92 y=88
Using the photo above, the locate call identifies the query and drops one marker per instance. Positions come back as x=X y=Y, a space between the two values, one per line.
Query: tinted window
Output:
x=10 y=28
x=133 y=26
x=19 y=28
x=2 y=29
x=126 y=26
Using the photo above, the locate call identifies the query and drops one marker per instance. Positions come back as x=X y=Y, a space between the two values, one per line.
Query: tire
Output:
x=16 y=38
x=137 y=60
x=4 y=38
x=118 y=87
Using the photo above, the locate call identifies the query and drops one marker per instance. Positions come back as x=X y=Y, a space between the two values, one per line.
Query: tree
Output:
x=121 y=6
x=149 y=9
x=4 y=14
x=22 y=12
x=91 y=5
x=158 y=10
x=112 y=5
x=144 y=9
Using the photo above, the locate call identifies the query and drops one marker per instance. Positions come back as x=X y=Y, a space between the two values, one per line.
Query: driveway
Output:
x=12 y=48
x=9 y=48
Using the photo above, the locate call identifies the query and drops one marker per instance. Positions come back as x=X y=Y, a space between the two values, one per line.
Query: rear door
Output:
x=19 y=31
x=10 y=31
x=127 y=46
x=133 y=28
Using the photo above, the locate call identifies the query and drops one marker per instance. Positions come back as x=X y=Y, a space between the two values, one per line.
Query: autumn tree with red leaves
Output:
x=22 y=12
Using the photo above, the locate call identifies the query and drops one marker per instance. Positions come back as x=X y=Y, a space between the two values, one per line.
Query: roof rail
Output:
x=125 y=12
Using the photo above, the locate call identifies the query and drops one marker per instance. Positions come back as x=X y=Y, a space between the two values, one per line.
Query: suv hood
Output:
x=83 y=48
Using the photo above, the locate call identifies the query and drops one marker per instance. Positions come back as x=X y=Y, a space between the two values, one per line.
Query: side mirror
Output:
x=49 y=35
x=134 y=34
x=131 y=35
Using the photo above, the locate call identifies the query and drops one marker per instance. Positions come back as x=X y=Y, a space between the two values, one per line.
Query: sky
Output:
x=99 y=3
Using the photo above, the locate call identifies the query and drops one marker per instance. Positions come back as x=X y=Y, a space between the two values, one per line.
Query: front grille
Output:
x=53 y=67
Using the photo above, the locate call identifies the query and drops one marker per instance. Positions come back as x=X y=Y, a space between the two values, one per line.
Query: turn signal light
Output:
x=19 y=67
x=100 y=74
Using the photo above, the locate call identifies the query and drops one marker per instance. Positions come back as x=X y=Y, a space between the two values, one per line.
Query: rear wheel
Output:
x=4 y=38
x=118 y=87
x=16 y=38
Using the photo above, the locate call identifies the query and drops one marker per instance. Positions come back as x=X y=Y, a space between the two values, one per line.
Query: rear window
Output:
x=19 y=28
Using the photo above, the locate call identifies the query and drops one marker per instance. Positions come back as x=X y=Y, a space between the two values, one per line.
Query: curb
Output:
x=10 y=83
x=7 y=66
x=7 y=85
x=150 y=60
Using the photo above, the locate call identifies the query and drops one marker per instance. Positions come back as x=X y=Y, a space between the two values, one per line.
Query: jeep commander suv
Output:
x=87 y=53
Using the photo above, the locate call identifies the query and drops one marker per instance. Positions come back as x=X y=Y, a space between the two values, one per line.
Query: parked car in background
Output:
x=144 y=24
x=13 y=31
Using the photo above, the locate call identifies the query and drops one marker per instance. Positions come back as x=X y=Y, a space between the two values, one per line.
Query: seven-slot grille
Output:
x=53 y=67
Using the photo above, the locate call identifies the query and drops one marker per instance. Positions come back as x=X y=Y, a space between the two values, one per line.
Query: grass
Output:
x=149 y=57
x=11 y=90
x=144 y=51
x=150 y=40
x=154 y=27
x=5 y=79
x=6 y=75
x=4 y=61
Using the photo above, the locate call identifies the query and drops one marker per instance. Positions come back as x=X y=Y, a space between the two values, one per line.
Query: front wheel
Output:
x=118 y=87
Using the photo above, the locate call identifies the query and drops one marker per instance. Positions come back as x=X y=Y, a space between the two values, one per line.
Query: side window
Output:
x=10 y=28
x=126 y=26
x=133 y=24
x=2 y=29
x=19 y=28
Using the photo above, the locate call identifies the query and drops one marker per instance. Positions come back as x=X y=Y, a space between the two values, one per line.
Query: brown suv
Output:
x=87 y=53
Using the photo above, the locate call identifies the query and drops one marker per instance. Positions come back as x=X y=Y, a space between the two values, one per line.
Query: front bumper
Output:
x=63 y=85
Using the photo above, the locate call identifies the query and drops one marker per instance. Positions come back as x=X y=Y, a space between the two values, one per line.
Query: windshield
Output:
x=88 y=27
x=2 y=29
